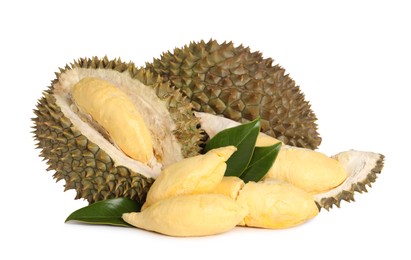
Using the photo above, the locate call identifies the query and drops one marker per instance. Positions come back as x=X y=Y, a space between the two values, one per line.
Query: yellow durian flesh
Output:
x=193 y=175
x=265 y=140
x=189 y=215
x=276 y=204
x=229 y=186
x=309 y=170
x=112 y=109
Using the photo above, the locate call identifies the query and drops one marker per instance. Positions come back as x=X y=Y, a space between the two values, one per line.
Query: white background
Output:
x=351 y=59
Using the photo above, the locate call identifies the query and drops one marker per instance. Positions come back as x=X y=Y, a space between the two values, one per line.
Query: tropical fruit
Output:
x=330 y=179
x=108 y=128
x=189 y=215
x=276 y=204
x=241 y=85
x=197 y=174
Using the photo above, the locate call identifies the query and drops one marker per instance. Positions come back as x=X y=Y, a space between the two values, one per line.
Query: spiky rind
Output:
x=81 y=163
x=187 y=129
x=241 y=85
x=360 y=186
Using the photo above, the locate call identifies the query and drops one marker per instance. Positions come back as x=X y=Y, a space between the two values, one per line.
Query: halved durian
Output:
x=329 y=179
x=84 y=154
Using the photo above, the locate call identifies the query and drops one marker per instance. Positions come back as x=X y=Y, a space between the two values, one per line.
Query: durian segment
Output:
x=116 y=113
x=362 y=168
x=276 y=204
x=265 y=140
x=80 y=153
x=189 y=215
x=229 y=186
x=241 y=85
x=309 y=170
x=198 y=174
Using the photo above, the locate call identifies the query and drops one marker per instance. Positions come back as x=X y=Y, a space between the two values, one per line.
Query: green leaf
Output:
x=106 y=212
x=243 y=137
x=261 y=162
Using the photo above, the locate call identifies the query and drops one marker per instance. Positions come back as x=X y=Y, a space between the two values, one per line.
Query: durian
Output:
x=241 y=85
x=87 y=155
x=197 y=174
x=189 y=215
x=229 y=186
x=309 y=170
x=348 y=172
x=276 y=204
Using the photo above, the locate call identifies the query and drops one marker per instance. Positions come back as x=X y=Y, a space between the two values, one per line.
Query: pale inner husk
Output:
x=154 y=111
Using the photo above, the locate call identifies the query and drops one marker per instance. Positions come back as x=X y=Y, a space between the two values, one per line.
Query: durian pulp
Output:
x=167 y=149
x=111 y=108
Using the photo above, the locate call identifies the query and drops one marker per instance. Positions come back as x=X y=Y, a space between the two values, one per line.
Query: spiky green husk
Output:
x=366 y=171
x=81 y=163
x=241 y=85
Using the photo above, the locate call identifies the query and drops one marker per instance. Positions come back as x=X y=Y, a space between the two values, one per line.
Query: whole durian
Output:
x=239 y=84
x=79 y=128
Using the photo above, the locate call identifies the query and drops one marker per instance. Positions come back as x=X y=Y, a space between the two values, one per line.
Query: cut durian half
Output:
x=361 y=167
x=83 y=152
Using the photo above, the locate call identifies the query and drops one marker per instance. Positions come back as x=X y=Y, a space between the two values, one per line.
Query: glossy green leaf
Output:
x=106 y=212
x=261 y=162
x=243 y=137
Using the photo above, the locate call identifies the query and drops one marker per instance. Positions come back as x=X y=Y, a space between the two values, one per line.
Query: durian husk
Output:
x=241 y=85
x=362 y=168
x=83 y=164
